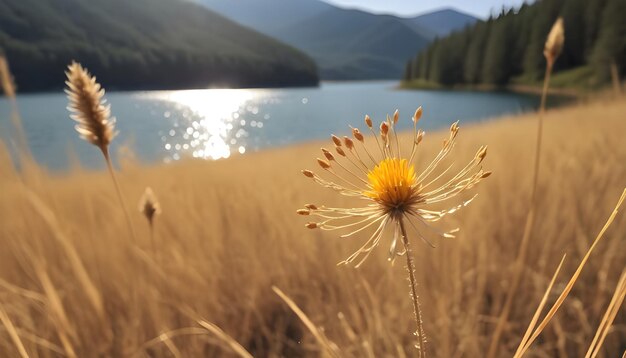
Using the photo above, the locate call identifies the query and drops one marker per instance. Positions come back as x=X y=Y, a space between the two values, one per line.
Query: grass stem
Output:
x=129 y=223
x=530 y=218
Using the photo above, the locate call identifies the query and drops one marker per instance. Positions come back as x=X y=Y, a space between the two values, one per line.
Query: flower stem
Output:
x=410 y=266
x=131 y=229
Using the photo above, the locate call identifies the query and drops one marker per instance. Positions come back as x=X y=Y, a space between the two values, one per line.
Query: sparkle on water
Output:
x=211 y=127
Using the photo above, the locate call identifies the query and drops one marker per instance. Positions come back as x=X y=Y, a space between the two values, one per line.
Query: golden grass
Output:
x=528 y=341
x=228 y=234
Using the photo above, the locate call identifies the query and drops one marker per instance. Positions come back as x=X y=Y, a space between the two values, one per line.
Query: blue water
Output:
x=164 y=126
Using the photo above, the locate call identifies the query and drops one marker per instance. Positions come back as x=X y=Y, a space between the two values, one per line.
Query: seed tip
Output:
x=324 y=164
x=555 y=41
x=418 y=114
x=368 y=121
x=384 y=128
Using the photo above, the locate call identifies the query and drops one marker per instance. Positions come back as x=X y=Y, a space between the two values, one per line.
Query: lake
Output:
x=165 y=126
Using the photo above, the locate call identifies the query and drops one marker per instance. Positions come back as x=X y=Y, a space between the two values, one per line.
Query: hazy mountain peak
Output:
x=444 y=21
x=346 y=43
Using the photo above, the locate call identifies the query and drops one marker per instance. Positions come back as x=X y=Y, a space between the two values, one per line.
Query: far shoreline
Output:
x=563 y=93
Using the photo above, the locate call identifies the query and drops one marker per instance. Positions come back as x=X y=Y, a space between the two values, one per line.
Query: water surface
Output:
x=165 y=126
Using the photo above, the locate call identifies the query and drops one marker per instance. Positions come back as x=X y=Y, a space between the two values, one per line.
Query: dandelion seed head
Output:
x=391 y=186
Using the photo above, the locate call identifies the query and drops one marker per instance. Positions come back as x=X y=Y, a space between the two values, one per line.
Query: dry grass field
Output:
x=73 y=281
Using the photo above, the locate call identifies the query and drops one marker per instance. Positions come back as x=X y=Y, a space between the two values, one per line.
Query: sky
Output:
x=479 y=8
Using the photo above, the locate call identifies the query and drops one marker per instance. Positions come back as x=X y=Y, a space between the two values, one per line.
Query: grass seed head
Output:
x=149 y=206
x=88 y=108
x=554 y=42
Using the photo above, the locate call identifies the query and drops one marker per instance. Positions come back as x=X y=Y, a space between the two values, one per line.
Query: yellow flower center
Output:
x=391 y=183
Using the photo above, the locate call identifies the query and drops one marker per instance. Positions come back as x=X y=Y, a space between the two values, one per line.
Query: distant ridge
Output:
x=142 y=44
x=345 y=43
x=443 y=22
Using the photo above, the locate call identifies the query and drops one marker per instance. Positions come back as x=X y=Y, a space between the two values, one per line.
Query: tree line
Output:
x=511 y=45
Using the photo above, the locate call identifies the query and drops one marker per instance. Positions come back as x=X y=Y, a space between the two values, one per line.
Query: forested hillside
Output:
x=510 y=47
x=142 y=44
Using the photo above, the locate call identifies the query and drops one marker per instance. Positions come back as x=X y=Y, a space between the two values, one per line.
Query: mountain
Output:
x=442 y=22
x=345 y=43
x=353 y=44
x=142 y=44
x=267 y=16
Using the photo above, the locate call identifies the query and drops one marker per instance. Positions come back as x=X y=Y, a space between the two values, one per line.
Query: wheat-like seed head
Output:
x=555 y=41
x=6 y=79
x=149 y=205
x=89 y=108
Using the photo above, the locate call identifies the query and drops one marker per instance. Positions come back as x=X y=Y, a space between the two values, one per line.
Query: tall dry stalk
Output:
x=8 y=87
x=95 y=124
x=609 y=317
x=6 y=79
x=617 y=86
x=552 y=50
x=10 y=328
x=330 y=349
